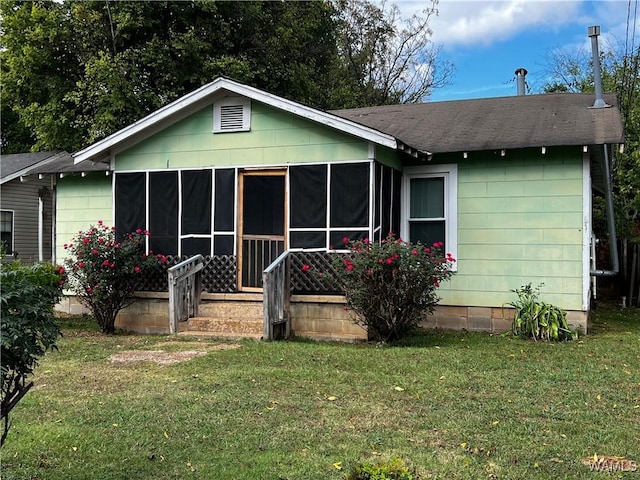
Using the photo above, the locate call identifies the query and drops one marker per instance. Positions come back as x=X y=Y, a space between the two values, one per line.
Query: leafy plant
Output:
x=536 y=319
x=103 y=272
x=391 y=284
x=392 y=469
x=28 y=327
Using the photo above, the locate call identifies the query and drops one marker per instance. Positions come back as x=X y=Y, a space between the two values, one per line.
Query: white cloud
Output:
x=465 y=22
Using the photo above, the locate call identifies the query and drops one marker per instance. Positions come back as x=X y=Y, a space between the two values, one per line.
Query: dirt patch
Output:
x=162 y=357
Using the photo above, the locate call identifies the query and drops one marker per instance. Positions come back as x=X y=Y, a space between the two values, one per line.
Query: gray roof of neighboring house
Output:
x=23 y=164
x=496 y=123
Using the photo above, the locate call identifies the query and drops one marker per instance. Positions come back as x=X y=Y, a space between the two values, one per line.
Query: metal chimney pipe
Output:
x=593 y=32
x=520 y=74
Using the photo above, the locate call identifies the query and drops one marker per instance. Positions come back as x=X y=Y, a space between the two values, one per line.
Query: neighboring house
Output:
x=26 y=206
x=27 y=199
x=241 y=175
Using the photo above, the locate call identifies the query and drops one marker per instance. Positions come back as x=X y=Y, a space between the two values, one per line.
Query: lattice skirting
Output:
x=220 y=274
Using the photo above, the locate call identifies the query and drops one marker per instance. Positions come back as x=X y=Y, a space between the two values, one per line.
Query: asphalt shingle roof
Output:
x=496 y=123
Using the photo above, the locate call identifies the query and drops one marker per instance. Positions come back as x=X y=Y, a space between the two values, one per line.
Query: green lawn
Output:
x=454 y=405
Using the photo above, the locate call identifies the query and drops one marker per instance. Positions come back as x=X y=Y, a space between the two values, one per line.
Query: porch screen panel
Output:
x=350 y=195
x=387 y=182
x=223 y=245
x=395 y=205
x=163 y=212
x=336 y=238
x=308 y=206
x=224 y=200
x=194 y=246
x=377 y=194
x=308 y=196
x=308 y=239
x=130 y=203
x=196 y=203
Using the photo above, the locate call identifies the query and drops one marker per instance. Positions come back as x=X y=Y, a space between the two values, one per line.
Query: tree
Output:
x=384 y=58
x=28 y=327
x=571 y=71
x=104 y=272
x=76 y=71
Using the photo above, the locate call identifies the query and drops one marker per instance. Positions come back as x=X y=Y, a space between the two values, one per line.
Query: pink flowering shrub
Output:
x=103 y=272
x=391 y=285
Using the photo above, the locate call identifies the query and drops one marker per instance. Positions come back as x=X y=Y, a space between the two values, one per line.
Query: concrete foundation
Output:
x=321 y=317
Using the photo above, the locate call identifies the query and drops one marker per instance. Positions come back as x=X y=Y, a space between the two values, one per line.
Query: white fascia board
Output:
x=99 y=148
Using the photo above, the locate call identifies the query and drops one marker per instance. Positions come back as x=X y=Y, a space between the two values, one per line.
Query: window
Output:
x=430 y=205
x=6 y=230
x=232 y=114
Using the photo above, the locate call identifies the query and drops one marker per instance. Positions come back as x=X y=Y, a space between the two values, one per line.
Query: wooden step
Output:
x=229 y=327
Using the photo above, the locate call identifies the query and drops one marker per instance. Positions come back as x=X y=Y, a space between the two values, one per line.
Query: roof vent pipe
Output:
x=520 y=74
x=594 y=31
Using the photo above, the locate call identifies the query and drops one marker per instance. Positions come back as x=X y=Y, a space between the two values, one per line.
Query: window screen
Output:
x=130 y=203
x=308 y=196
x=196 y=203
x=194 y=246
x=350 y=195
x=163 y=212
x=224 y=200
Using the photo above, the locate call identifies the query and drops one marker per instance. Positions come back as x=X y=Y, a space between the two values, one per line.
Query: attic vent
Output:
x=232 y=114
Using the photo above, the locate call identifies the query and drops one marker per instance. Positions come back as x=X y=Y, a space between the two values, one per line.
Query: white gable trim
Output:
x=101 y=149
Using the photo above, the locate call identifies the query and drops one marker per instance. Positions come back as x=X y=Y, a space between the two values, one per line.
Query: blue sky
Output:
x=488 y=40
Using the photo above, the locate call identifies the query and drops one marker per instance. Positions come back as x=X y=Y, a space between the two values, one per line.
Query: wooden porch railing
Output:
x=276 y=291
x=185 y=287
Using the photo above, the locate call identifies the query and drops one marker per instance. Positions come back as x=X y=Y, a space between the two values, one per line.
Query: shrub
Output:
x=390 y=285
x=28 y=327
x=393 y=469
x=103 y=272
x=538 y=320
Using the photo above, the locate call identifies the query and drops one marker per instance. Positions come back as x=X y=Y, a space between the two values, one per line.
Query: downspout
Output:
x=593 y=33
x=40 y=228
x=611 y=223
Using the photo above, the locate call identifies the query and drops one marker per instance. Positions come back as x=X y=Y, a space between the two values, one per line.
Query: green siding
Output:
x=519 y=221
x=388 y=157
x=276 y=138
x=80 y=203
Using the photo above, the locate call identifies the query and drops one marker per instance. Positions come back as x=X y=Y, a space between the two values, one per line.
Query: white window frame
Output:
x=233 y=101
x=13 y=230
x=450 y=174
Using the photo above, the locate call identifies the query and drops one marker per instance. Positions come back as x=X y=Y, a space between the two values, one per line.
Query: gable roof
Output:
x=205 y=95
x=496 y=123
x=519 y=121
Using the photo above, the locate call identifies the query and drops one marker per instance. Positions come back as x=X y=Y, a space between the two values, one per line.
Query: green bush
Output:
x=392 y=469
x=28 y=327
x=103 y=272
x=390 y=285
x=536 y=319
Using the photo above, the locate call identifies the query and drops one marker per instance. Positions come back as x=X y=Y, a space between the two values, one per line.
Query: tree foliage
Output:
x=76 y=71
x=28 y=327
x=386 y=59
x=571 y=71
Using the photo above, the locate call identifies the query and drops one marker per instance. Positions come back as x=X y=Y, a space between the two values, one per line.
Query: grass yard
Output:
x=454 y=405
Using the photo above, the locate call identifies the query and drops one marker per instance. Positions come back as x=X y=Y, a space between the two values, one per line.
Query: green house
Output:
x=241 y=176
